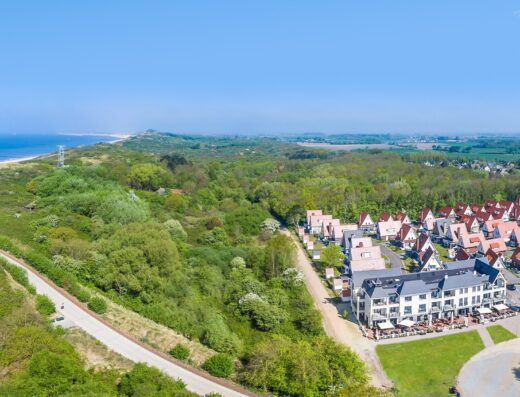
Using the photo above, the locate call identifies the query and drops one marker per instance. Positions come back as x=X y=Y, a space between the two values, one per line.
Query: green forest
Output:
x=186 y=231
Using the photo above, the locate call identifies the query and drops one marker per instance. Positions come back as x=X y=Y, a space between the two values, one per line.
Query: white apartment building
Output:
x=460 y=289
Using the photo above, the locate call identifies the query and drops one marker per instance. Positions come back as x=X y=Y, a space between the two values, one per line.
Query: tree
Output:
x=175 y=229
x=220 y=365
x=279 y=255
x=144 y=381
x=147 y=176
x=97 y=305
x=180 y=352
x=218 y=336
x=270 y=225
x=44 y=305
x=332 y=255
x=173 y=160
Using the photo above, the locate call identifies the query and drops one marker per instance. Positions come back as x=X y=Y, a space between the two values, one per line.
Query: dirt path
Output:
x=345 y=332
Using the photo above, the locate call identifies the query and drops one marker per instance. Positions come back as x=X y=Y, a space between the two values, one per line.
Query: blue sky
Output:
x=260 y=66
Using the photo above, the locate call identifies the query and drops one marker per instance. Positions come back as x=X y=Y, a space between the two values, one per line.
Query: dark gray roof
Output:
x=440 y=224
x=348 y=234
x=359 y=276
x=466 y=274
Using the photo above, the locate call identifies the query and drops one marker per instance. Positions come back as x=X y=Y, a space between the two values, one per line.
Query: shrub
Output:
x=44 y=305
x=180 y=352
x=220 y=365
x=97 y=305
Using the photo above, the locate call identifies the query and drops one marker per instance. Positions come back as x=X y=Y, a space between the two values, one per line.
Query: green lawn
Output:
x=443 y=252
x=500 y=334
x=428 y=367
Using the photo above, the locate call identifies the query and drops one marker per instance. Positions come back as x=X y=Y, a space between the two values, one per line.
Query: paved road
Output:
x=120 y=343
x=494 y=372
x=344 y=332
x=395 y=260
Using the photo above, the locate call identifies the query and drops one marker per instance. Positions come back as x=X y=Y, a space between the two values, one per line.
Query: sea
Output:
x=19 y=146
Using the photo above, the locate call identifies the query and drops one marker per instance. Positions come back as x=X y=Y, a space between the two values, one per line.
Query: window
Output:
x=473 y=301
x=478 y=288
x=461 y=291
x=408 y=310
x=478 y=299
x=422 y=308
x=422 y=296
x=465 y=290
x=461 y=302
x=473 y=289
x=407 y=298
x=366 y=254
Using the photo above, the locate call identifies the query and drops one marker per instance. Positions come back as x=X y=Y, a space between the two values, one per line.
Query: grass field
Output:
x=500 y=334
x=428 y=367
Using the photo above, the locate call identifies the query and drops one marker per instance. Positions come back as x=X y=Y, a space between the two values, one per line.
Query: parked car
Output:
x=511 y=287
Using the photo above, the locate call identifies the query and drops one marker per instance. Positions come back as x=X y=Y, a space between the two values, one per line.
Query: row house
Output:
x=489 y=227
x=327 y=226
x=348 y=235
x=515 y=258
x=472 y=224
x=496 y=260
x=316 y=223
x=339 y=230
x=504 y=231
x=364 y=256
x=469 y=242
x=422 y=243
x=460 y=289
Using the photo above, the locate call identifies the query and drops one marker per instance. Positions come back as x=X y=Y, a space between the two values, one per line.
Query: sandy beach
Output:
x=118 y=138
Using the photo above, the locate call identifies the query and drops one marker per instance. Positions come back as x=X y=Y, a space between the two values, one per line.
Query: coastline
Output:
x=119 y=138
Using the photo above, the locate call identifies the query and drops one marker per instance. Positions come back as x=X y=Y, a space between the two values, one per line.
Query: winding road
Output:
x=344 y=332
x=195 y=380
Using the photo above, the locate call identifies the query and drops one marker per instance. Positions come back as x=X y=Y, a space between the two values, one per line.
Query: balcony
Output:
x=435 y=309
x=394 y=314
x=448 y=308
x=378 y=316
x=485 y=301
x=379 y=303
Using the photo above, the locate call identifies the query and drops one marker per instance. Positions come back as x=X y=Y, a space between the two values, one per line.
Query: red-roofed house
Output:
x=447 y=212
x=483 y=216
x=491 y=205
x=500 y=213
x=316 y=222
x=365 y=221
x=496 y=260
x=405 y=219
x=515 y=213
x=472 y=224
x=429 y=261
x=423 y=243
x=506 y=205
x=476 y=208
x=327 y=226
x=461 y=255
x=424 y=215
x=407 y=237
x=385 y=217
x=463 y=209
